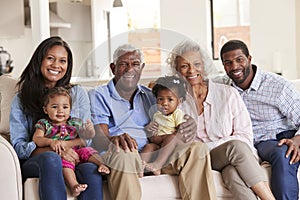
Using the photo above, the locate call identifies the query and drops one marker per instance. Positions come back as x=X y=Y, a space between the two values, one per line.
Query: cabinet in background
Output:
x=12 y=18
x=78 y=15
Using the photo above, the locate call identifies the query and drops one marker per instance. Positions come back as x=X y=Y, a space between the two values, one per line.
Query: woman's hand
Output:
x=70 y=155
x=57 y=146
x=124 y=141
x=187 y=129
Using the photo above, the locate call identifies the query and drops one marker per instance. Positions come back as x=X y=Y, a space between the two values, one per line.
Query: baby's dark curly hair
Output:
x=57 y=91
x=173 y=83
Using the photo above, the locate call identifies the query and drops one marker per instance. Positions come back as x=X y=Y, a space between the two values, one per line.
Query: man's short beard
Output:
x=246 y=73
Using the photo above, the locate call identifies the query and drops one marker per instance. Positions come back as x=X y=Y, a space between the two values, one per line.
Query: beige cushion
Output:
x=166 y=187
x=7 y=91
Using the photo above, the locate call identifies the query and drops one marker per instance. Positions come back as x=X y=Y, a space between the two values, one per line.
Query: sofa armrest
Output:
x=10 y=172
x=7 y=91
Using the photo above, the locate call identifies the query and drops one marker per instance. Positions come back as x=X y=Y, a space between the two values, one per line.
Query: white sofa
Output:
x=11 y=185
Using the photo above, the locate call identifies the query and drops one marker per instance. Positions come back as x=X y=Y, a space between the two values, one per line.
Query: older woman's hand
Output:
x=187 y=129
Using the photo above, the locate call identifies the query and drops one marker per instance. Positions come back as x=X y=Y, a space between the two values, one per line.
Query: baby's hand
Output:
x=57 y=146
x=87 y=131
x=152 y=129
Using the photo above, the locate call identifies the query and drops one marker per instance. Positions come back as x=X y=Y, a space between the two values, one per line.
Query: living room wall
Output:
x=272 y=33
x=297 y=8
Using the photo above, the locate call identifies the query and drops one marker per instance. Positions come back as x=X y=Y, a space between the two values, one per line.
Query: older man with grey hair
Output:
x=120 y=112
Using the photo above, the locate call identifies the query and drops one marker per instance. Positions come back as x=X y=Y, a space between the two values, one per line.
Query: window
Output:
x=230 y=19
x=144 y=20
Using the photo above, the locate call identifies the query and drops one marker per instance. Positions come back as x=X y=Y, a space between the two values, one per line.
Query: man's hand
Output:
x=293 y=148
x=187 y=129
x=124 y=141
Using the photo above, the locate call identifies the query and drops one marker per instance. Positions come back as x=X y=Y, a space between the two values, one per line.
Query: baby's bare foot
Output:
x=103 y=169
x=77 y=189
x=154 y=168
x=141 y=173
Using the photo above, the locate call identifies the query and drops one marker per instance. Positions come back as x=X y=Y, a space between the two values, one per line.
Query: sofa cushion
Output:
x=7 y=91
x=166 y=188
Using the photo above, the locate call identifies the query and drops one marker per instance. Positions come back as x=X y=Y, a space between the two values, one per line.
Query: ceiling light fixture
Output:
x=117 y=3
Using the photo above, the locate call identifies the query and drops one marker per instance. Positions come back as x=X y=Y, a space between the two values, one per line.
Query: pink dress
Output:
x=66 y=132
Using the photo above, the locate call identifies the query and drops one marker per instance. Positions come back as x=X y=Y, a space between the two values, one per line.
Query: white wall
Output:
x=273 y=29
x=20 y=49
x=297 y=8
x=189 y=17
x=99 y=35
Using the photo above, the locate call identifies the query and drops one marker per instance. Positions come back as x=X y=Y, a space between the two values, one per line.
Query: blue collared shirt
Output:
x=21 y=125
x=273 y=104
x=108 y=107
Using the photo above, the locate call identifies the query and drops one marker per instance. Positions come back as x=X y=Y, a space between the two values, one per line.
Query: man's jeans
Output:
x=284 y=182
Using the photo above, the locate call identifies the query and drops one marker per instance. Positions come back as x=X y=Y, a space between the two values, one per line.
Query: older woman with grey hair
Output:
x=223 y=123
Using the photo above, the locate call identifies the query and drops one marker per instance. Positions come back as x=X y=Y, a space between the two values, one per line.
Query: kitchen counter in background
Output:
x=93 y=81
